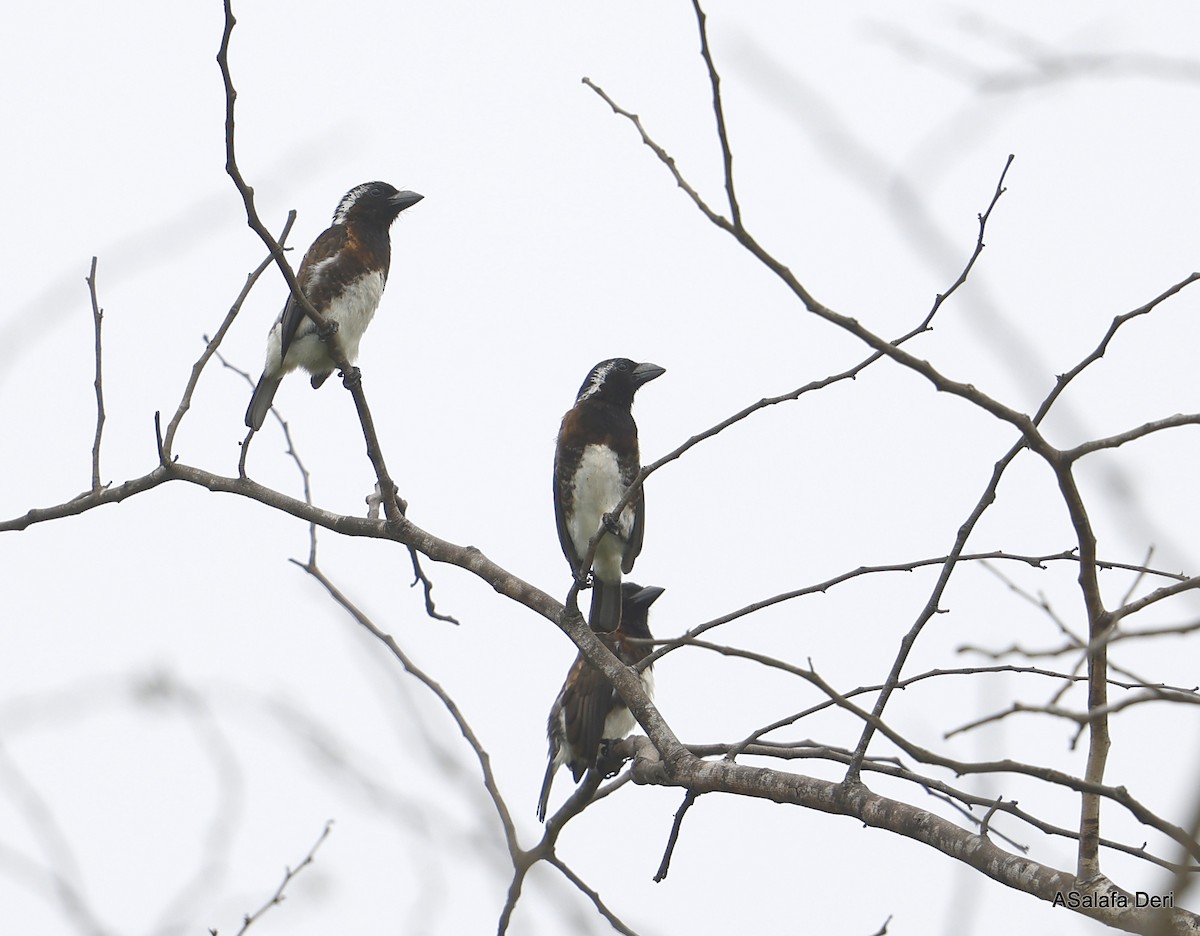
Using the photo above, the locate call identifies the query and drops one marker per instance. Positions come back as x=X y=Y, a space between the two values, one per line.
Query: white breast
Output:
x=352 y=311
x=596 y=489
x=355 y=308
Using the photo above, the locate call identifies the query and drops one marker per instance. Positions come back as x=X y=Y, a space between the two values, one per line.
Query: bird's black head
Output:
x=635 y=608
x=375 y=201
x=616 y=380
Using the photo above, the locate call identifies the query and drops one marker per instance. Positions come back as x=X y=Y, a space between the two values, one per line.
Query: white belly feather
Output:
x=353 y=311
x=596 y=489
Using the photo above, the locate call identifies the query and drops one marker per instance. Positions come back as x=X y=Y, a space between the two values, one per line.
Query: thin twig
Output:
x=420 y=578
x=1098 y=352
x=289 y=873
x=1130 y=435
x=719 y=112
x=979 y=244
x=613 y=920
x=97 y=318
x=664 y=866
x=1080 y=718
x=663 y=156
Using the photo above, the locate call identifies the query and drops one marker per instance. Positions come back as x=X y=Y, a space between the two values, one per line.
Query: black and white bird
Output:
x=595 y=462
x=342 y=274
x=588 y=709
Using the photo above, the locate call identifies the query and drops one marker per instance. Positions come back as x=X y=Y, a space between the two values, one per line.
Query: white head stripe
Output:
x=596 y=379
x=348 y=200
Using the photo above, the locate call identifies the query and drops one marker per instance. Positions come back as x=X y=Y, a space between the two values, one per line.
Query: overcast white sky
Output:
x=867 y=137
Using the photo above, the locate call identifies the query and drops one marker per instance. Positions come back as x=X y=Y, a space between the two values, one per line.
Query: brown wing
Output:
x=587 y=700
x=325 y=246
x=562 y=489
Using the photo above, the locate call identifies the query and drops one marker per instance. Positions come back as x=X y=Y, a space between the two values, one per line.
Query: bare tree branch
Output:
x=660 y=758
x=873 y=810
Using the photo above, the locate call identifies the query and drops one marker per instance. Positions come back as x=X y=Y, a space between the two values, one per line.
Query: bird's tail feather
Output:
x=544 y=796
x=605 y=616
x=260 y=402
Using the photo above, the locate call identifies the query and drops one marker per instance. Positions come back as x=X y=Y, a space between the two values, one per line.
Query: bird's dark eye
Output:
x=622 y=365
x=376 y=191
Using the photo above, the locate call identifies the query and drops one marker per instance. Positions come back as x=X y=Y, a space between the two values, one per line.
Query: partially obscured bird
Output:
x=588 y=709
x=595 y=462
x=342 y=275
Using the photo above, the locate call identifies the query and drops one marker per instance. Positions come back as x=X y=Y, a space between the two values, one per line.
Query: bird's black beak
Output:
x=649 y=593
x=405 y=199
x=644 y=373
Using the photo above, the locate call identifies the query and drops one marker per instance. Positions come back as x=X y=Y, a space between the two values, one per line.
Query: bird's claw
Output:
x=606 y=763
